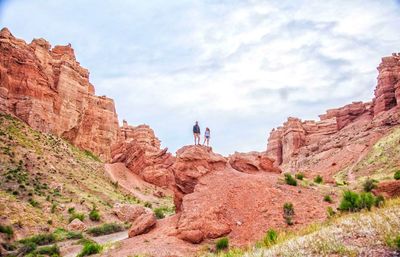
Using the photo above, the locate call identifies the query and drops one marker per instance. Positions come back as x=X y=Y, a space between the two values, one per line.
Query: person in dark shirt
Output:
x=196 y=133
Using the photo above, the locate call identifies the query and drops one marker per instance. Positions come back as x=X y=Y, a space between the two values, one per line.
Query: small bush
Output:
x=62 y=234
x=327 y=198
x=148 y=205
x=349 y=201
x=71 y=210
x=369 y=184
x=41 y=239
x=270 y=237
x=77 y=215
x=7 y=230
x=159 y=212
x=33 y=202
x=299 y=176
x=318 y=179
x=397 y=175
x=352 y=202
x=28 y=247
x=290 y=180
x=53 y=208
x=222 y=244
x=90 y=248
x=367 y=200
x=105 y=229
x=91 y=155
x=94 y=215
x=397 y=241
x=330 y=212
x=288 y=213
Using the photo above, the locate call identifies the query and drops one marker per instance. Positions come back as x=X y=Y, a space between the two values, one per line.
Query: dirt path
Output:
x=71 y=248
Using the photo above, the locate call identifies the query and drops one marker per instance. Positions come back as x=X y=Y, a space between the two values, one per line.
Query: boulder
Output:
x=76 y=225
x=142 y=224
x=128 y=212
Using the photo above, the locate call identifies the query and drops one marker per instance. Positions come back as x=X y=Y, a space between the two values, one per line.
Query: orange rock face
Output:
x=49 y=90
x=342 y=135
x=252 y=162
x=139 y=149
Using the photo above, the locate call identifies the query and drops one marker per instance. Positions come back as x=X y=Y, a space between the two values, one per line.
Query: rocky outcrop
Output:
x=139 y=149
x=193 y=162
x=244 y=206
x=49 y=90
x=342 y=134
x=252 y=162
x=388 y=189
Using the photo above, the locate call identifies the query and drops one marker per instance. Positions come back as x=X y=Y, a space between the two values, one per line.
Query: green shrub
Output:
x=222 y=244
x=77 y=215
x=397 y=175
x=352 y=202
x=7 y=230
x=327 y=198
x=288 y=213
x=330 y=212
x=367 y=200
x=299 y=176
x=148 y=205
x=270 y=237
x=53 y=208
x=318 y=179
x=41 y=239
x=94 y=215
x=71 y=210
x=91 y=155
x=349 y=201
x=369 y=184
x=33 y=202
x=159 y=212
x=105 y=229
x=52 y=250
x=290 y=180
x=28 y=247
x=90 y=248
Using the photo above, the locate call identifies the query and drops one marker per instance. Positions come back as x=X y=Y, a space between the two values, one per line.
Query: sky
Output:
x=238 y=67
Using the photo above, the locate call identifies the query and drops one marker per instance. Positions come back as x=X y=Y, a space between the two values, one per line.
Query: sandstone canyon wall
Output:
x=342 y=134
x=49 y=90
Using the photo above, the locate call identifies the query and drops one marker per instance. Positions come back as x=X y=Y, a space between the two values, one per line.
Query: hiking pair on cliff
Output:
x=196 y=134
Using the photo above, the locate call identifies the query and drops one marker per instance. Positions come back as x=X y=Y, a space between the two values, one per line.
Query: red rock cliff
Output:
x=343 y=133
x=49 y=90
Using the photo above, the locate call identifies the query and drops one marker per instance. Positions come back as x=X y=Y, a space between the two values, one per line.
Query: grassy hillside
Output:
x=43 y=176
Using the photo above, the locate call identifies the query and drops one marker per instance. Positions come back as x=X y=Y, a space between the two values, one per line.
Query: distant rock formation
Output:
x=49 y=90
x=342 y=134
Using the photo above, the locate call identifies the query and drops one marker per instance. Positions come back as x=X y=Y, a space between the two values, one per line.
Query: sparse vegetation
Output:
x=330 y=212
x=397 y=175
x=94 y=214
x=8 y=230
x=52 y=250
x=318 y=179
x=90 y=248
x=222 y=244
x=288 y=213
x=105 y=229
x=328 y=198
x=299 y=176
x=369 y=184
x=40 y=239
x=353 y=202
x=290 y=180
x=270 y=238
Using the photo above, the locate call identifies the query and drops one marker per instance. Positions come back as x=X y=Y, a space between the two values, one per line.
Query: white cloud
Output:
x=239 y=67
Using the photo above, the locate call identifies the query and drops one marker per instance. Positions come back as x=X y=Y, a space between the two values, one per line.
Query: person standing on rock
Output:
x=196 y=133
x=207 y=136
